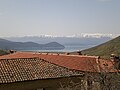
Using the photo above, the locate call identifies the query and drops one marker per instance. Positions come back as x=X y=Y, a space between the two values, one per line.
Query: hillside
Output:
x=105 y=49
x=2 y=52
x=6 y=45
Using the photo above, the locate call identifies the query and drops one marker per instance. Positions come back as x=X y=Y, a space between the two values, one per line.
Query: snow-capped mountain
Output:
x=83 y=35
x=79 y=40
x=96 y=35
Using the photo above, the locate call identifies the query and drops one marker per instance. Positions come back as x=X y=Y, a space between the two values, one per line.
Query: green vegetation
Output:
x=106 y=49
x=3 y=52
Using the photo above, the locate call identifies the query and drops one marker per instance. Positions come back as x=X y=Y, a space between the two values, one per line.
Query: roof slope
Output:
x=13 y=70
x=76 y=62
x=105 y=49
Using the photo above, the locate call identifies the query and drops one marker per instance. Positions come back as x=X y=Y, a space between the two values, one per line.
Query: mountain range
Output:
x=7 y=45
x=103 y=50
x=74 y=40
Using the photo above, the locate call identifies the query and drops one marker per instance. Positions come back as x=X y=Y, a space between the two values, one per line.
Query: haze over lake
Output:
x=70 y=43
x=68 y=48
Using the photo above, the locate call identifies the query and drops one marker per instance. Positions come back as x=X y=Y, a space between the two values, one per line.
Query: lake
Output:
x=68 y=48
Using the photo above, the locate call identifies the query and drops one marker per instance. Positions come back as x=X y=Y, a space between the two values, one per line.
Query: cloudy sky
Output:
x=58 y=17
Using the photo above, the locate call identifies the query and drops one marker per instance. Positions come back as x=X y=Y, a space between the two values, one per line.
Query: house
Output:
x=33 y=74
x=47 y=71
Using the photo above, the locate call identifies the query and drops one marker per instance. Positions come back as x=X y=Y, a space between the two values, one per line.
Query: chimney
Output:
x=11 y=51
x=67 y=53
x=116 y=61
x=79 y=52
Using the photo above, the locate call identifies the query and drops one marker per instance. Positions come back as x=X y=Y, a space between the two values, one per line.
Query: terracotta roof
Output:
x=76 y=62
x=82 y=63
x=13 y=70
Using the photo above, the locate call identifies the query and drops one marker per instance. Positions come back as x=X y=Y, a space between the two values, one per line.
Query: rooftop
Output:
x=74 y=62
x=24 y=69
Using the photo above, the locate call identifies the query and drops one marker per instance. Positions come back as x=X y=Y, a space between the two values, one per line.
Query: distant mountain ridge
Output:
x=105 y=49
x=65 y=40
x=6 y=45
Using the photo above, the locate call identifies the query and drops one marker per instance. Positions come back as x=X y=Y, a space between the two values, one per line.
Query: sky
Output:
x=58 y=17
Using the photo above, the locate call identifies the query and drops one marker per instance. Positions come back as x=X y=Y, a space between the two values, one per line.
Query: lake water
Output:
x=68 y=48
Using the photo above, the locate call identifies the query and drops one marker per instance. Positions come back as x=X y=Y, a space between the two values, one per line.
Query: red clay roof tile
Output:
x=77 y=62
x=14 y=70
